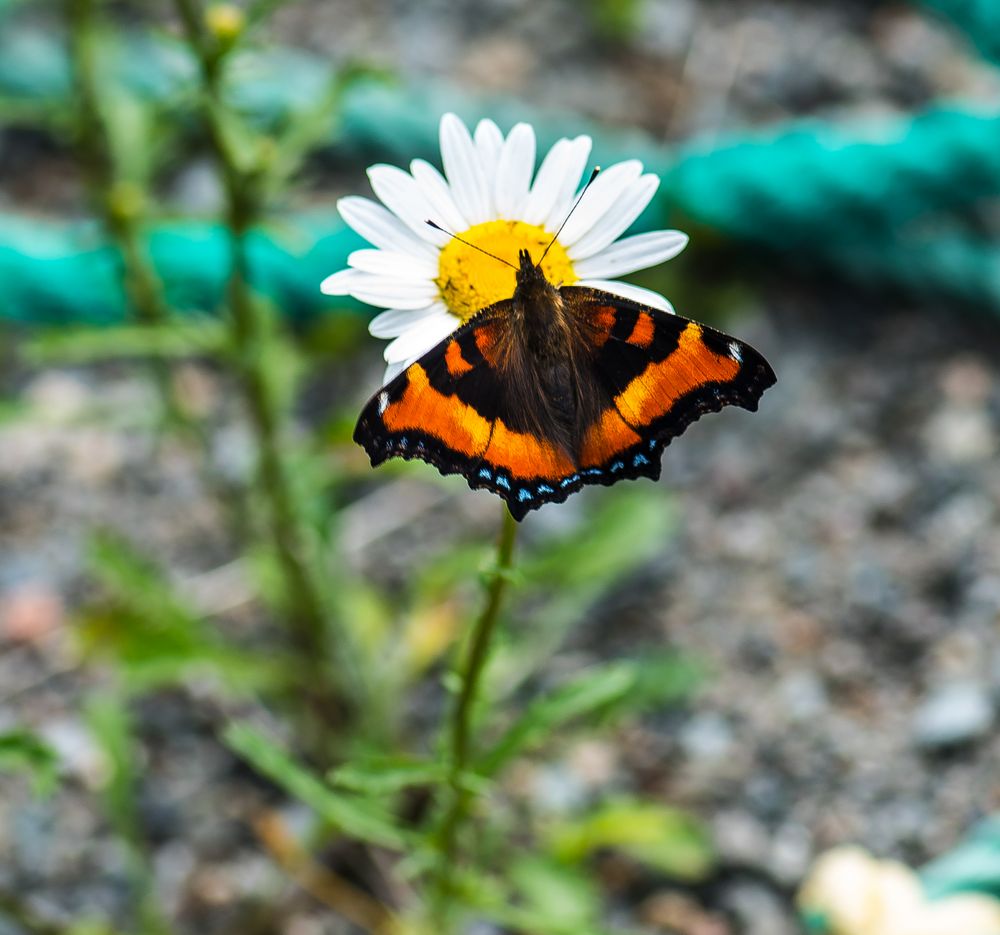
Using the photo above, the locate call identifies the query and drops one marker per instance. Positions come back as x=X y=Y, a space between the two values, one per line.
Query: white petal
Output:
x=339 y=283
x=608 y=187
x=419 y=339
x=489 y=142
x=557 y=180
x=632 y=253
x=390 y=263
x=393 y=293
x=396 y=321
x=444 y=211
x=628 y=291
x=514 y=171
x=400 y=193
x=380 y=227
x=464 y=170
x=380 y=290
x=394 y=370
x=617 y=219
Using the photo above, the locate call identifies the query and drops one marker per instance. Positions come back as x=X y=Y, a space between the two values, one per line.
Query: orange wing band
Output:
x=457 y=365
x=653 y=393
x=422 y=407
x=465 y=431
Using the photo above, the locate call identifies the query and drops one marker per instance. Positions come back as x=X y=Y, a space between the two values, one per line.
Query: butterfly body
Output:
x=558 y=387
x=546 y=355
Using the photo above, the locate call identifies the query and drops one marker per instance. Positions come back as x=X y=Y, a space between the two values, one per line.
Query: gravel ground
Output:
x=835 y=562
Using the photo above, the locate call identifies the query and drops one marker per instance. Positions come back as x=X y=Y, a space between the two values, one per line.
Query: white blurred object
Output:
x=859 y=895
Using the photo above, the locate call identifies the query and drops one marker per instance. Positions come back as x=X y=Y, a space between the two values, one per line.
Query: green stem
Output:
x=119 y=204
x=457 y=809
x=296 y=544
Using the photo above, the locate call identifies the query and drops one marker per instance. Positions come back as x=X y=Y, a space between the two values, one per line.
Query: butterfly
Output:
x=556 y=388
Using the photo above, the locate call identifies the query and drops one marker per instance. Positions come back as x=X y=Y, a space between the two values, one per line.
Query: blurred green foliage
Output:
x=154 y=638
x=617 y=19
x=902 y=207
x=342 y=664
x=24 y=751
x=337 y=663
x=360 y=817
x=111 y=724
x=661 y=837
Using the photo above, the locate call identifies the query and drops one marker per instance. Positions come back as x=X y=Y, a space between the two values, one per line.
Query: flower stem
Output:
x=296 y=544
x=456 y=811
x=119 y=202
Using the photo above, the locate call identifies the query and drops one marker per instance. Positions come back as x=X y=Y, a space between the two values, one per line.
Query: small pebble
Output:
x=952 y=715
x=29 y=612
x=707 y=736
x=677 y=912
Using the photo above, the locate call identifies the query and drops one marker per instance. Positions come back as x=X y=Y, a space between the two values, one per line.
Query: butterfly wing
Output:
x=659 y=373
x=457 y=409
x=463 y=408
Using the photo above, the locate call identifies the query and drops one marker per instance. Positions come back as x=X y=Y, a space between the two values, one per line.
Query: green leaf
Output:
x=152 y=633
x=261 y=10
x=111 y=726
x=90 y=926
x=24 y=751
x=558 y=896
x=540 y=906
x=660 y=678
x=664 y=838
x=353 y=816
x=188 y=337
x=617 y=19
x=586 y=693
x=12 y=410
x=384 y=775
x=618 y=538
x=308 y=127
x=565 y=576
x=131 y=131
x=241 y=142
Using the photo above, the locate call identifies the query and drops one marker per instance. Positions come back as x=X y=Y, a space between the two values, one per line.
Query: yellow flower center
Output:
x=470 y=280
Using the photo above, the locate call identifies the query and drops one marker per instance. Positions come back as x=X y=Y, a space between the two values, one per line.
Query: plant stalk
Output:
x=296 y=544
x=119 y=204
x=460 y=731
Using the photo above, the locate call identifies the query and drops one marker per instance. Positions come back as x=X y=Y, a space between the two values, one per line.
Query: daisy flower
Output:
x=490 y=196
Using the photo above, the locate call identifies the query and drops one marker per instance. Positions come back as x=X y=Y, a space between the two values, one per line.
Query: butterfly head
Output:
x=531 y=281
x=538 y=308
x=527 y=270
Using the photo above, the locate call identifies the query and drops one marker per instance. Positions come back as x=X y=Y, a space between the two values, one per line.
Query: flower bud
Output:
x=225 y=21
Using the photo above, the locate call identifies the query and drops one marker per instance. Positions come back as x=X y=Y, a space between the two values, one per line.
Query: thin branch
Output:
x=296 y=543
x=120 y=203
x=456 y=811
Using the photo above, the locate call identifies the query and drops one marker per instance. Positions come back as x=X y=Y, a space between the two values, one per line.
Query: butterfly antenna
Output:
x=576 y=204
x=500 y=259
